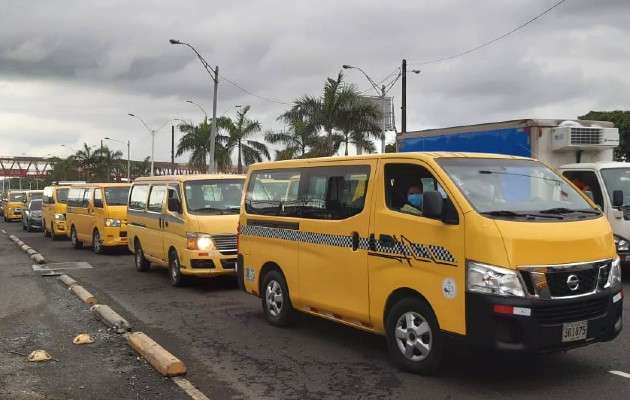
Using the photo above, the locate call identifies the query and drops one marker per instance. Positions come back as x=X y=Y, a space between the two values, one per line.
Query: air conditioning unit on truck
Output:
x=581 y=150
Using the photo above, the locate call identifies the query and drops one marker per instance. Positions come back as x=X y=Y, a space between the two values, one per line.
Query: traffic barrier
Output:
x=83 y=294
x=111 y=318
x=67 y=280
x=163 y=361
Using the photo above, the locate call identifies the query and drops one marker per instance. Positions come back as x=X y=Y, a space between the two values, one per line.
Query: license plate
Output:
x=572 y=331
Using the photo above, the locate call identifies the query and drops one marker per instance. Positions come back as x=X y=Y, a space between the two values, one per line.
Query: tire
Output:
x=414 y=339
x=23 y=225
x=97 y=246
x=174 y=270
x=52 y=233
x=46 y=232
x=76 y=243
x=276 y=303
x=28 y=226
x=142 y=264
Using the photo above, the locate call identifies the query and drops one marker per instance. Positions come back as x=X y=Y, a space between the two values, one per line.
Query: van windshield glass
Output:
x=116 y=196
x=516 y=188
x=16 y=196
x=62 y=196
x=214 y=196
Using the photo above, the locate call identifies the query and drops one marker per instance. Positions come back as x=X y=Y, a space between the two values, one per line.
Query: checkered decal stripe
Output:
x=408 y=249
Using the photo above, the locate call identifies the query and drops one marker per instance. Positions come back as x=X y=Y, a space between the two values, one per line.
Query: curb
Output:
x=83 y=294
x=111 y=319
x=163 y=361
x=67 y=280
x=39 y=259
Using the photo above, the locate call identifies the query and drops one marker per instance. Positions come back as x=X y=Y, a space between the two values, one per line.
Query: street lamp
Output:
x=69 y=148
x=128 y=156
x=214 y=74
x=201 y=108
x=152 y=132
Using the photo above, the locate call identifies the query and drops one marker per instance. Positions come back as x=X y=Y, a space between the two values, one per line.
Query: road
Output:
x=231 y=352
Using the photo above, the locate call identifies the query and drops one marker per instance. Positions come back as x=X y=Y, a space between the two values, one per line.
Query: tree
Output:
x=297 y=138
x=621 y=119
x=338 y=113
x=359 y=122
x=86 y=160
x=237 y=132
x=141 y=168
x=196 y=140
x=108 y=163
x=63 y=169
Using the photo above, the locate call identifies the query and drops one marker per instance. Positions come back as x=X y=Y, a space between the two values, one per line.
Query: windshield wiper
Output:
x=217 y=210
x=508 y=213
x=562 y=210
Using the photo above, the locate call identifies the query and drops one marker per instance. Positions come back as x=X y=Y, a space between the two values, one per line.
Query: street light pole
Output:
x=128 y=156
x=153 y=132
x=382 y=91
x=214 y=74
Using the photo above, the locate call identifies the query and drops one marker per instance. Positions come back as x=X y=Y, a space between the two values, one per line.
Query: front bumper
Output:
x=541 y=331
x=206 y=264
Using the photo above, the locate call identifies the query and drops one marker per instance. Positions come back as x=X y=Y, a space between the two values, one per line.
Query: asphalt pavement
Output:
x=38 y=312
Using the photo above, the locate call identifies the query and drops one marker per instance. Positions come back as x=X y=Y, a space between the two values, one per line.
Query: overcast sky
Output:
x=71 y=71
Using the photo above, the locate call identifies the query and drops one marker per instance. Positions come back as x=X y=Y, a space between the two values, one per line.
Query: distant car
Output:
x=32 y=215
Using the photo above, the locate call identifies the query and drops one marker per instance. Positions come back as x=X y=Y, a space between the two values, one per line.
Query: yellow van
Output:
x=97 y=215
x=501 y=253
x=12 y=207
x=185 y=223
x=32 y=194
x=55 y=201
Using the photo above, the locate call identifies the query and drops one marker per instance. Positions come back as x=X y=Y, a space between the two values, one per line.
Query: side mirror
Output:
x=174 y=205
x=617 y=199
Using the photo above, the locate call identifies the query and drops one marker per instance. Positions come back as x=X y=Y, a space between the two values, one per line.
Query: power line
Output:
x=493 y=40
x=255 y=95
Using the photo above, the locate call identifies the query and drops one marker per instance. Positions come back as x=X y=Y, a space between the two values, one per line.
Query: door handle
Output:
x=165 y=223
x=355 y=241
x=387 y=241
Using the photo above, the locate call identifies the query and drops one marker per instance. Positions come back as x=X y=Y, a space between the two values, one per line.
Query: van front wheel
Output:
x=276 y=303
x=74 y=240
x=174 y=270
x=413 y=336
x=142 y=264
x=97 y=246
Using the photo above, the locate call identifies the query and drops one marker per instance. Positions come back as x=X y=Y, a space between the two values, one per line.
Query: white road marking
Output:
x=192 y=391
x=63 y=265
x=624 y=374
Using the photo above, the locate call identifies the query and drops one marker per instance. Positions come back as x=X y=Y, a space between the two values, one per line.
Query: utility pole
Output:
x=172 y=149
x=403 y=108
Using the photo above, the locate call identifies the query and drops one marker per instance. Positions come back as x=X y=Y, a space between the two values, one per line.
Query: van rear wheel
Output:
x=174 y=270
x=142 y=264
x=276 y=303
x=74 y=240
x=414 y=339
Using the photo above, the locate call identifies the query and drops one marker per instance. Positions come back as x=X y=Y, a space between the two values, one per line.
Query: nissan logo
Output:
x=573 y=282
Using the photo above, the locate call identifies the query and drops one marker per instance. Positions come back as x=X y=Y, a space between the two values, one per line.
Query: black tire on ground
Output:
x=142 y=264
x=97 y=246
x=46 y=232
x=23 y=225
x=52 y=233
x=276 y=303
x=413 y=337
x=28 y=226
x=74 y=241
x=174 y=270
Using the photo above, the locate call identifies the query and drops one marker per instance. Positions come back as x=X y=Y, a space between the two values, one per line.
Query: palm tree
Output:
x=249 y=151
x=339 y=109
x=196 y=140
x=297 y=138
x=108 y=163
x=86 y=160
x=359 y=122
x=141 y=168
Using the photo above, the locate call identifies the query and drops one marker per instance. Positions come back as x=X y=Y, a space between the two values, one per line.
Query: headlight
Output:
x=199 y=241
x=60 y=217
x=109 y=222
x=621 y=244
x=614 y=277
x=488 y=279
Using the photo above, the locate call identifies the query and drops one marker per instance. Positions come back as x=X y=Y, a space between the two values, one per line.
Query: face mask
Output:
x=415 y=199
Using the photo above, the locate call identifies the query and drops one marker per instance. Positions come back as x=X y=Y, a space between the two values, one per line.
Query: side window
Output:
x=86 y=197
x=156 y=198
x=75 y=197
x=405 y=185
x=587 y=181
x=138 y=197
x=98 y=198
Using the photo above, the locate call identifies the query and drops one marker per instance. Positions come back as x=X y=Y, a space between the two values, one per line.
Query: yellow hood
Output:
x=216 y=224
x=513 y=243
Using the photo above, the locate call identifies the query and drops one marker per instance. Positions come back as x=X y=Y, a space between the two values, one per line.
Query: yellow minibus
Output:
x=432 y=250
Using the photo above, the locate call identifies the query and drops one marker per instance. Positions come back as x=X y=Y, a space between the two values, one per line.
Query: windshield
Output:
x=116 y=196
x=16 y=196
x=36 y=205
x=513 y=188
x=62 y=196
x=617 y=179
x=214 y=196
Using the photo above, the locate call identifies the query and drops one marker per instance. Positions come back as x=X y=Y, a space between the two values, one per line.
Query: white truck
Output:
x=581 y=150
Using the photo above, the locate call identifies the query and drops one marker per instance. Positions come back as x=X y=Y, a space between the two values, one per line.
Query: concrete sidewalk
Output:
x=40 y=313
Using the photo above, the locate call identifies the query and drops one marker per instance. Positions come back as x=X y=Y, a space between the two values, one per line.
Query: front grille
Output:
x=201 y=264
x=557 y=281
x=123 y=234
x=585 y=135
x=226 y=244
x=558 y=286
x=557 y=314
